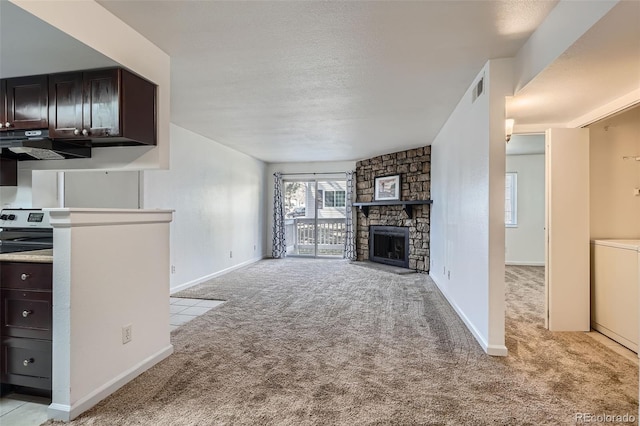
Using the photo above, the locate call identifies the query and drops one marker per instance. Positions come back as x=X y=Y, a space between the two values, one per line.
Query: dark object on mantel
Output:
x=407 y=206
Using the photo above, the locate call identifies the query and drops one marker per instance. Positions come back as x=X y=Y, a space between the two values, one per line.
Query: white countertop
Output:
x=623 y=244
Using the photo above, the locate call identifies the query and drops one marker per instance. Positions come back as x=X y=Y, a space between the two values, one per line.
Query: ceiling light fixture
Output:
x=508 y=128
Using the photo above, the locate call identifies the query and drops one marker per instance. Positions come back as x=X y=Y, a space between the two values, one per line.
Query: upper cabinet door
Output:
x=27 y=102
x=65 y=110
x=101 y=113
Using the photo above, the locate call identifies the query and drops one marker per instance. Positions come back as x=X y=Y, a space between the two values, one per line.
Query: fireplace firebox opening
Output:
x=389 y=245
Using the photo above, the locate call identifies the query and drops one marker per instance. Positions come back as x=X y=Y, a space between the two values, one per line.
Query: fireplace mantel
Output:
x=407 y=206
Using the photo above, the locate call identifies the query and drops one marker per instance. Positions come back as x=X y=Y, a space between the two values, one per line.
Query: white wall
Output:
x=218 y=197
x=467 y=219
x=94 y=189
x=102 y=189
x=99 y=289
x=335 y=170
x=615 y=210
x=47 y=188
x=17 y=196
x=525 y=243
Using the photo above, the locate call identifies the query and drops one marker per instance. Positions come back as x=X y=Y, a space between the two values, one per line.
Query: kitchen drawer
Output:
x=26 y=313
x=26 y=276
x=26 y=362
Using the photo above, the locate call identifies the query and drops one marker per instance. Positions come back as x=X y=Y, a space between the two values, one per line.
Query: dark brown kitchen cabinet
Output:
x=3 y=104
x=65 y=108
x=8 y=172
x=107 y=107
x=26 y=325
x=24 y=103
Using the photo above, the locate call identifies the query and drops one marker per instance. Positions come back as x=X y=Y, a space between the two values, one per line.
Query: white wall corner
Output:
x=67 y=413
x=565 y=24
x=189 y=284
x=500 y=86
x=494 y=350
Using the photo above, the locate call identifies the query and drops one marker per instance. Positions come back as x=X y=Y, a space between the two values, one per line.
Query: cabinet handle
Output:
x=26 y=362
x=85 y=132
x=24 y=277
x=26 y=313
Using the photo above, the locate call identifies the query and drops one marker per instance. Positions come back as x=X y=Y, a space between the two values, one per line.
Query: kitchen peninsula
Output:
x=110 y=302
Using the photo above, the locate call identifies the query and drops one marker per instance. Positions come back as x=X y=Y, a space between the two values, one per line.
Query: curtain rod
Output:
x=322 y=173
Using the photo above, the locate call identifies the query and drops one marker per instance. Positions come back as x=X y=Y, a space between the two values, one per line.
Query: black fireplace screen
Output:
x=389 y=244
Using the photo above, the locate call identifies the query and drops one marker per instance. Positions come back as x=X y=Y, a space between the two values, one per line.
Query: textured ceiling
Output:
x=318 y=81
x=322 y=81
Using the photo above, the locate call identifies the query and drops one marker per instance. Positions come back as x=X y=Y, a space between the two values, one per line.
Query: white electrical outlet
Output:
x=173 y=269
x=230 y=254
x=126 y=334
x=636 y=191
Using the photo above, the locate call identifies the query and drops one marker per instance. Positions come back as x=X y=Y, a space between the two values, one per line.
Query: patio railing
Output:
x=300 y=236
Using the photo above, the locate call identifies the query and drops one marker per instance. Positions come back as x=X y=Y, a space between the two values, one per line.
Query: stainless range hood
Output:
x=36 y=145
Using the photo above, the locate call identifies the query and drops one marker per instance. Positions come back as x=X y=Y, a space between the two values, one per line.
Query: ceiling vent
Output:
x=478 y=89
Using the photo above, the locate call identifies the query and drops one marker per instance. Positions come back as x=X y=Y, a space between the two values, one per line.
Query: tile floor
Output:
x=184 y=310
x=23 y=410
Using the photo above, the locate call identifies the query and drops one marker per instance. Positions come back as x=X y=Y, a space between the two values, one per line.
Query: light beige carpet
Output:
x=323 y=342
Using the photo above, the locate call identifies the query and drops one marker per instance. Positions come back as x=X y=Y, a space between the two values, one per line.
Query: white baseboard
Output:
x=523 y=263
x=494 y=350
x=67 y=413
x=197 y=281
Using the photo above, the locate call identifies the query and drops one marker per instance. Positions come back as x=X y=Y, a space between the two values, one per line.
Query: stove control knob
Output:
x=12 y=217
x=4 y=217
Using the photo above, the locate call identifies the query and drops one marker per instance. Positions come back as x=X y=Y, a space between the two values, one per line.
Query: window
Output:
x=334 y=198
x=511 y=200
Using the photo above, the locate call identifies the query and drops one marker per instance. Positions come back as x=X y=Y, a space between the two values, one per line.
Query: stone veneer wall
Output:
x=414 y=168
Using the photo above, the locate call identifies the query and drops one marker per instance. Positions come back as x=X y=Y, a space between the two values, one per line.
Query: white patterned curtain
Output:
x=279 y=248
x=350 y=238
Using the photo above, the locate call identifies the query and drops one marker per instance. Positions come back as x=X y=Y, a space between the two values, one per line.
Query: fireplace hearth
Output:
x=389 y=245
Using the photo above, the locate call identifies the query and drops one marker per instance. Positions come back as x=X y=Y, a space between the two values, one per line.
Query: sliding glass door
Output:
x=315 y=217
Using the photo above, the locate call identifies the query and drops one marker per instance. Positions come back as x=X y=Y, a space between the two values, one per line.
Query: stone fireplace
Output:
x=414 y=168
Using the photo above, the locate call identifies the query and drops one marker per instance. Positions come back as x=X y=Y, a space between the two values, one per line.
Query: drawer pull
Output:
x=24 y=277
x=26 y=362
x=26 y=313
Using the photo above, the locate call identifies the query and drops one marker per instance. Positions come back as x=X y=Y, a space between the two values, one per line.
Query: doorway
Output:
x=315 y=217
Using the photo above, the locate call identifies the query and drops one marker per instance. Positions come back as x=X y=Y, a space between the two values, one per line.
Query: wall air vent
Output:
x=477 y=90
